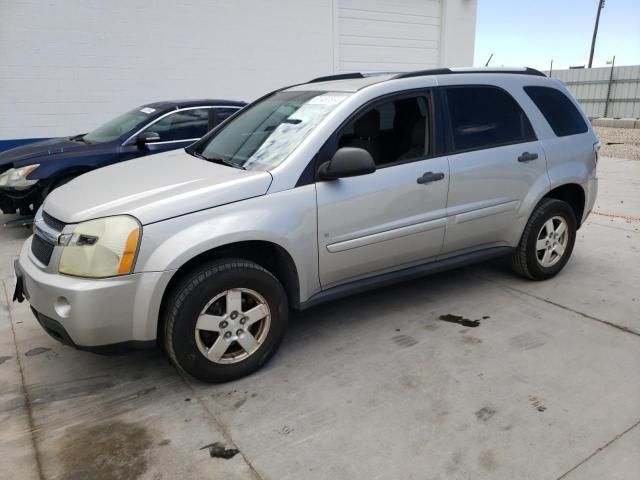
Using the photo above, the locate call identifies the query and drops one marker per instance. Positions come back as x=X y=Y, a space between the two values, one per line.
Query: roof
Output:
x=171 y=104
x=352 y=82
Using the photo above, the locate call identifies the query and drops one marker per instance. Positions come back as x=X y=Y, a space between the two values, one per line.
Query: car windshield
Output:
x=117 y=127
x=264 y=135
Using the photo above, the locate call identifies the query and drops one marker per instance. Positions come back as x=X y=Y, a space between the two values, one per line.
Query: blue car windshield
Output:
x=263 y=135
x=117 y=127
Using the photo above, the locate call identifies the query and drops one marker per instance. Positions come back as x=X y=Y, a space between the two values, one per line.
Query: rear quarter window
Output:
x=559 y=111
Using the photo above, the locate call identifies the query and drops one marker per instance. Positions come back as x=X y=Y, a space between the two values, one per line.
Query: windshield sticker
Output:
x=287 y=135
x=327 y=99
x=147 y=110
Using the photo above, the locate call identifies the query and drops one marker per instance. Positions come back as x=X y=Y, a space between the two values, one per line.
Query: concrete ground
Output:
x=547 y=386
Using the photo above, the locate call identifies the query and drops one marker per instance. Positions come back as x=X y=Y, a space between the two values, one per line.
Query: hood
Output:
x=154 y=188
x=38 y=152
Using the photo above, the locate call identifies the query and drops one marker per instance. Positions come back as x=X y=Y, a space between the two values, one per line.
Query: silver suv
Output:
x=311 y=193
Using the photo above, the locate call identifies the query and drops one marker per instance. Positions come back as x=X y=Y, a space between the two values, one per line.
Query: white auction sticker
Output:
x=147 y=110
x=327 y=99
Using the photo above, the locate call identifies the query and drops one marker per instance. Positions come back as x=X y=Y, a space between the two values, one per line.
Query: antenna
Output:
x=490 y=57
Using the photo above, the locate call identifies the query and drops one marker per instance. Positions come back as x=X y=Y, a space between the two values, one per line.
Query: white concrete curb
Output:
x=616 y=122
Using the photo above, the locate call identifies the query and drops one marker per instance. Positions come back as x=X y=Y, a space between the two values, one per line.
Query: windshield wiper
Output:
x=219 y=161
x=222 y=161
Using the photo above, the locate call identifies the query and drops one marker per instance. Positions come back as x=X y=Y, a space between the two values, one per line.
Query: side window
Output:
x=562 y=115
x=221 y=114
x=393 y=131
x=182 y=125
x=484 y=117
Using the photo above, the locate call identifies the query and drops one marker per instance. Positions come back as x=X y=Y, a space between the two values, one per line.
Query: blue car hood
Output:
x=42 y=151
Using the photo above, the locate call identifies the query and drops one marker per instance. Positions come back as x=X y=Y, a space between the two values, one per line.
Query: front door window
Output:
x=392 y=132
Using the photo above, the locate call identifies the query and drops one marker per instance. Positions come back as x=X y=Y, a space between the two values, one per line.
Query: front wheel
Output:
x=547 y=240
x=225 y=320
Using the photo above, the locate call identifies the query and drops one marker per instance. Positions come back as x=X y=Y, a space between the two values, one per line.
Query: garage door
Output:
x=387 y=35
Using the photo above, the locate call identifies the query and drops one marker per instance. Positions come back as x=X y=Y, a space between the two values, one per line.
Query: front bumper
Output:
x=25 y=202
x=93 y=314
x=57 y=331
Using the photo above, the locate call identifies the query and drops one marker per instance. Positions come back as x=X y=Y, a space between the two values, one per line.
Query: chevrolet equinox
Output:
x=312 y=192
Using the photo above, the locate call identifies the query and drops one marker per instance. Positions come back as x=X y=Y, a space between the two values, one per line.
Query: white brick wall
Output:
x=68 y=65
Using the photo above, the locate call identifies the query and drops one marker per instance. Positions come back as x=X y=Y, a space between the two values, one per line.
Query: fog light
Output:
x=62 y=307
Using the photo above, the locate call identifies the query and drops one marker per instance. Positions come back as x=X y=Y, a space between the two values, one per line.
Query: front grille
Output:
x=41 y=249
x=53 y=222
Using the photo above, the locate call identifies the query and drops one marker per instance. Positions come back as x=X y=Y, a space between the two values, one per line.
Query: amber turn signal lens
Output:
x=129 y=254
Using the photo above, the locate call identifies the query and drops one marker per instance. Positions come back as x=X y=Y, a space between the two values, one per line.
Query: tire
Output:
x=534 y=263
x=197 y=319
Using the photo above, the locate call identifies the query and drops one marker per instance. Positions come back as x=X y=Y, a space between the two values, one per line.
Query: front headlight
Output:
x=105 y=247
x=17 y=177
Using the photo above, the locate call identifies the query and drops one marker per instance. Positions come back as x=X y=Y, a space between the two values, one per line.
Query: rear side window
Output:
x=221 y=114
x=189 y=124
x=562 y=115
x=484 y=117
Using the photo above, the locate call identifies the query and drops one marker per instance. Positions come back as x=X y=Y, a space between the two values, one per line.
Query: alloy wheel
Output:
x=233 y=325
x=552 y=241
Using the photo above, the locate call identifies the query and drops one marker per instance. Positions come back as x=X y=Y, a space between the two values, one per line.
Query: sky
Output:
x=534 y=32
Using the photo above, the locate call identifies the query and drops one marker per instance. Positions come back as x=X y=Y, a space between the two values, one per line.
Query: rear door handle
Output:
x=429 y=177
x=527 y=157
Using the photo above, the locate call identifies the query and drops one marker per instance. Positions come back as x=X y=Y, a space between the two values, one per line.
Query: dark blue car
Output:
x=28 y=173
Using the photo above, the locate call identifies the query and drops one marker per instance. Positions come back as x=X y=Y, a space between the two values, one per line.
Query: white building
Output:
x=68 y=65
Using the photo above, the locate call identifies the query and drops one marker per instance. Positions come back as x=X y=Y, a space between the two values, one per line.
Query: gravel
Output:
x=619 y=142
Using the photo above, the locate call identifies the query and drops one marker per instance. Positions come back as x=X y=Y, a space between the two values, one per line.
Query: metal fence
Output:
x=612 y=92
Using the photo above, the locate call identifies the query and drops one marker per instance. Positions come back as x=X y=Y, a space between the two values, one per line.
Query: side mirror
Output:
x=147 y=137
x=347 y=162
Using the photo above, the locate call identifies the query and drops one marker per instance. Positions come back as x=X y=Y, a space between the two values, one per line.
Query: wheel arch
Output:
x=269 y=255
x=574 y=195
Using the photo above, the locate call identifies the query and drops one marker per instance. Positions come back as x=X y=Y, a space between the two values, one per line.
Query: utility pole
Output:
x=595 y=31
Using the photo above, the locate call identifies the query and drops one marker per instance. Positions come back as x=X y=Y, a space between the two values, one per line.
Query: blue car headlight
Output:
x=17 y=177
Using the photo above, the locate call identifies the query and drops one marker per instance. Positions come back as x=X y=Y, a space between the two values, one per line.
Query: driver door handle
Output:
x=527 y=157
x=429 y=177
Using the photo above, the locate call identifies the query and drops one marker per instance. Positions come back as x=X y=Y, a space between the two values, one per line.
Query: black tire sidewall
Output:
x=191 y=297
x=549 y=209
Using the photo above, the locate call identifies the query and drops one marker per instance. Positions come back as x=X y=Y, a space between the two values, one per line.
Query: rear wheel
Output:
x=547 y=240
x=225 y=320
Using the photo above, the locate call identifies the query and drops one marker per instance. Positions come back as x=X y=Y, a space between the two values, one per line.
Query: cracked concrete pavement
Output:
x=377 y=386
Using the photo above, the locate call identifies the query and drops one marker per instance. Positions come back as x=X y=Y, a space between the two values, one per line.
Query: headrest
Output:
x=368 y=125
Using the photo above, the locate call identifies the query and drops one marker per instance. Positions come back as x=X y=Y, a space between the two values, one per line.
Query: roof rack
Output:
x=349 y=76
x=338 y=76
x=449 y=71
x=429 y=72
